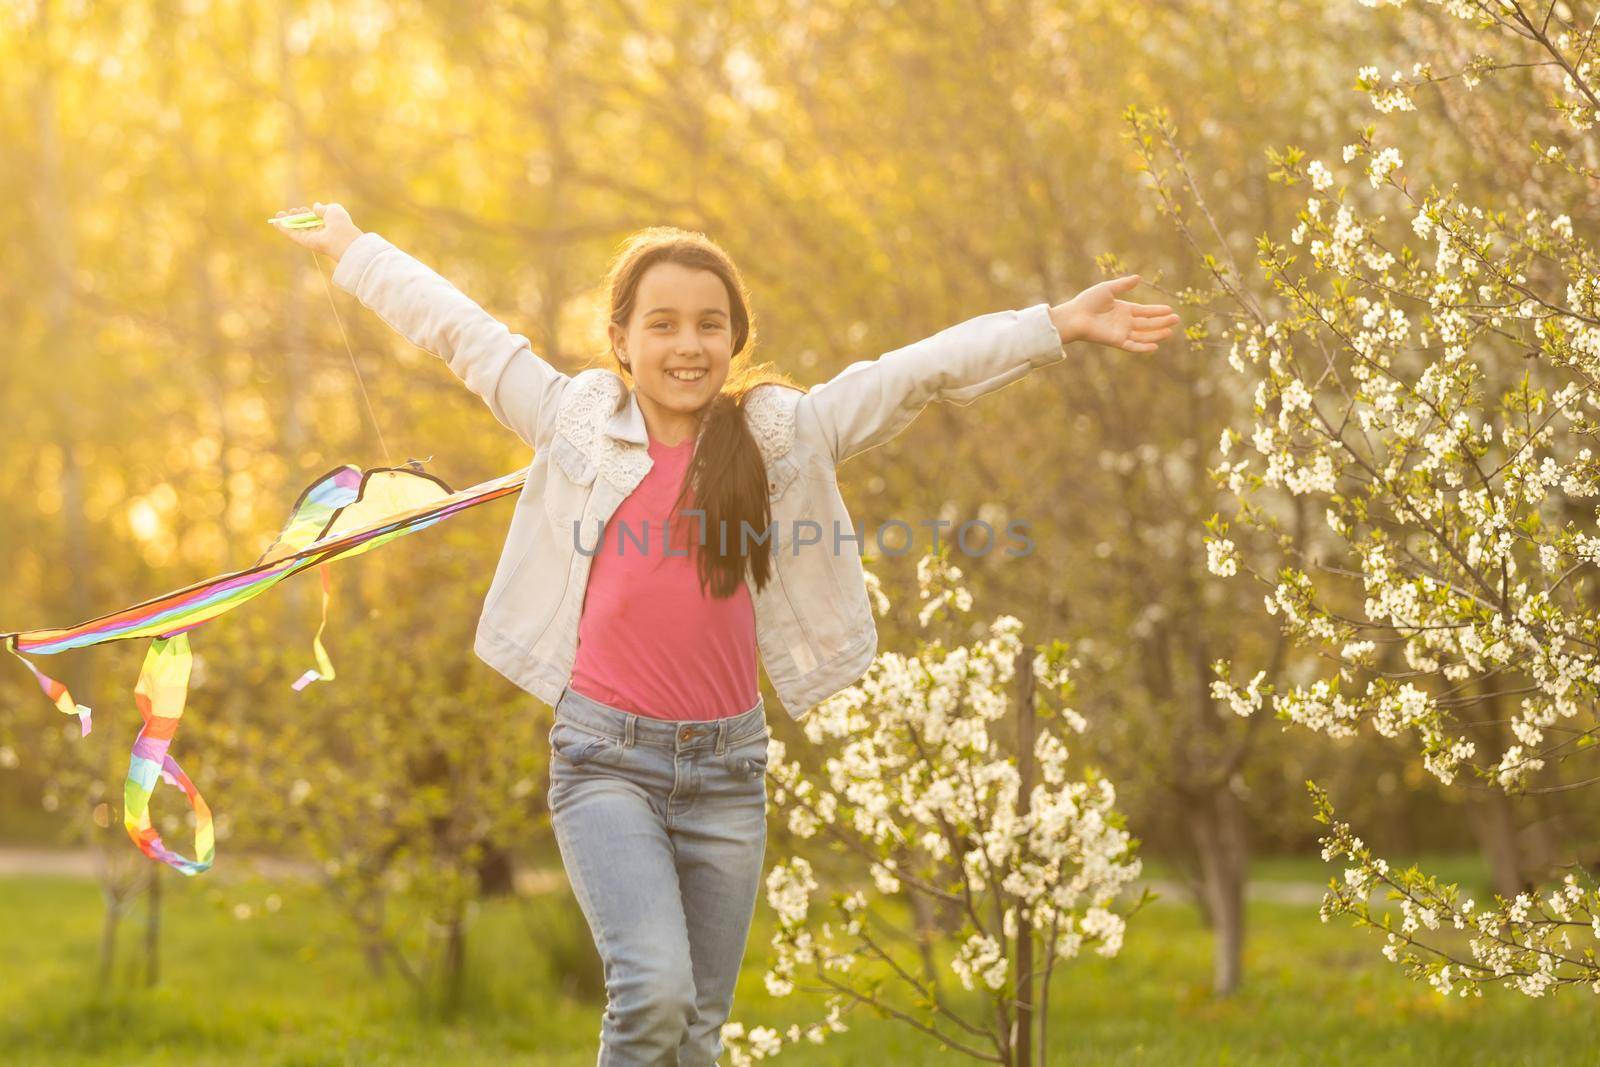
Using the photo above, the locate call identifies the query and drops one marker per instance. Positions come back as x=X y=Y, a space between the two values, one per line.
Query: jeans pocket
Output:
x=748 y=759
x=574 y=745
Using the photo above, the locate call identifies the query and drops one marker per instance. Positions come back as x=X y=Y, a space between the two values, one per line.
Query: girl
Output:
x=649 y=654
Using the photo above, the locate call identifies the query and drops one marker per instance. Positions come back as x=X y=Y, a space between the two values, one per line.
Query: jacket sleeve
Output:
x=500 y=366
x=871 y=401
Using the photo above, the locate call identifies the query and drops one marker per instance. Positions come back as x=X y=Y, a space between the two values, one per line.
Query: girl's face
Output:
x=679 y=341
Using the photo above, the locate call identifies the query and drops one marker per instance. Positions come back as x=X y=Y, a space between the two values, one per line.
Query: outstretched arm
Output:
x=520 y=388
x=871 y=401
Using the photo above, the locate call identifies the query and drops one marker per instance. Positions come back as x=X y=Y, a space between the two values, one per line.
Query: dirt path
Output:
x=83 y=863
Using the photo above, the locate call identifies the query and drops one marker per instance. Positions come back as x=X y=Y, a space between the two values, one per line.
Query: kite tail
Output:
x=160 y=693
x=323 y=671
x=54 y=690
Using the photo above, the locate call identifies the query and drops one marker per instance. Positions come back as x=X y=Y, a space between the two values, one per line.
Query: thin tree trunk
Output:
x=1022 y=1041
x=1489 y=810
x=455 y=964
x=294 y=349
x=1218 y=828
x=58 y=261
x=108 y=940
x=371 y=910
x=1489 y=814
x=925 y=914
x=52 y=197
x=152 y=927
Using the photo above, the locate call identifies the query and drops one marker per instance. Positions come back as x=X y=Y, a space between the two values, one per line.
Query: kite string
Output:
x=371 y=414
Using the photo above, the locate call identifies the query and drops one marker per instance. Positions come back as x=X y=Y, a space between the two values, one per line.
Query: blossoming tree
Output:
x=944 y=786
x=1439 y=406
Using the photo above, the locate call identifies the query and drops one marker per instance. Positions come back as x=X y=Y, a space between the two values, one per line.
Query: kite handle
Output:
x=307 y=220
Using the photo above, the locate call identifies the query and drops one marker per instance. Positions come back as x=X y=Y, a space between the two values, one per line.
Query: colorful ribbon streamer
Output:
x=160 y=693
x=344 y=513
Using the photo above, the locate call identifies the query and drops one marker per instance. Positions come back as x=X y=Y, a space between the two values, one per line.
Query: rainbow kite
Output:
x=344 y=513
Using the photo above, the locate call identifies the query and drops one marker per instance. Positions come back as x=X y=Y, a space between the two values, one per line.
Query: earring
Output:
x=623 y=362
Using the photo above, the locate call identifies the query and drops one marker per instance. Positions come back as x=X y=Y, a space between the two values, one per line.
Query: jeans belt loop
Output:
x=722 y=736
x=627 y=731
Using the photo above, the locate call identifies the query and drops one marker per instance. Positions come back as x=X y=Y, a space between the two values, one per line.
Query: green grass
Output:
x=287 y=987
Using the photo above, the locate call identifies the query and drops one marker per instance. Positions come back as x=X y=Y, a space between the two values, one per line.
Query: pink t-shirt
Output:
x=649 y=640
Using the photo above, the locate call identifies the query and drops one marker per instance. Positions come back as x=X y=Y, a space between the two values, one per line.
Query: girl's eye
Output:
x=660 y=324
x=712 y=325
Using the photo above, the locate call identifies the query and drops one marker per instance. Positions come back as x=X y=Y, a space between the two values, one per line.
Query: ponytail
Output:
x=728 y=479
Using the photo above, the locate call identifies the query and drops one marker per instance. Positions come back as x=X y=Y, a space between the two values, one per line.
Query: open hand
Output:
x=1097 y=315
x=331 y=238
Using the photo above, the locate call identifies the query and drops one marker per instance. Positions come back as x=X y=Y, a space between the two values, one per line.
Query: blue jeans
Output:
x=662 y=828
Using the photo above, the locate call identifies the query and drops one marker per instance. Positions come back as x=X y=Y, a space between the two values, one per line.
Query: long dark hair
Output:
x=726 y=474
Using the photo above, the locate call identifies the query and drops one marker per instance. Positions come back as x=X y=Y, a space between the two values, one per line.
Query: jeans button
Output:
x=685 y=733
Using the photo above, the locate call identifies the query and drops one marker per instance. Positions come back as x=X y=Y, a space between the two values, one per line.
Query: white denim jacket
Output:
x=814 y=624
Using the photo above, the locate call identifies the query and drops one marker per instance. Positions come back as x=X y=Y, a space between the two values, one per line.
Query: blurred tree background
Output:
x=173 y=374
